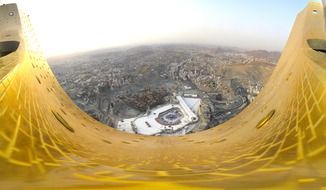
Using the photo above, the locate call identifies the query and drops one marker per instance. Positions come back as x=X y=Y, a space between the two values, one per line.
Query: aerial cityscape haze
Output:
x=204 y=71
x=224 y=65
x=222 y=68
x=184 y=88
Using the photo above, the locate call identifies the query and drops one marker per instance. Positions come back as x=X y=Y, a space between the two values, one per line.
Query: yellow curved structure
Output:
x=278 y=142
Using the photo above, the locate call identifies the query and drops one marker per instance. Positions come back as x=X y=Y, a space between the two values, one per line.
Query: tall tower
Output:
x=277 y=142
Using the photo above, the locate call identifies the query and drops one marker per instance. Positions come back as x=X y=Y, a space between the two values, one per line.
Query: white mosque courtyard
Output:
x=171 y=119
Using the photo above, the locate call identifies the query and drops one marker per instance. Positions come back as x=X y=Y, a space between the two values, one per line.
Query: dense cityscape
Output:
x=117 y=84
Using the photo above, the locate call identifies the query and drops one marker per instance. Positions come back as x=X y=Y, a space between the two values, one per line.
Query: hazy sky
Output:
x=68 y=26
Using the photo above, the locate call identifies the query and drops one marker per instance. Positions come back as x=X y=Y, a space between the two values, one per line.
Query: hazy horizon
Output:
x=68 y=27
x=127 y=47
